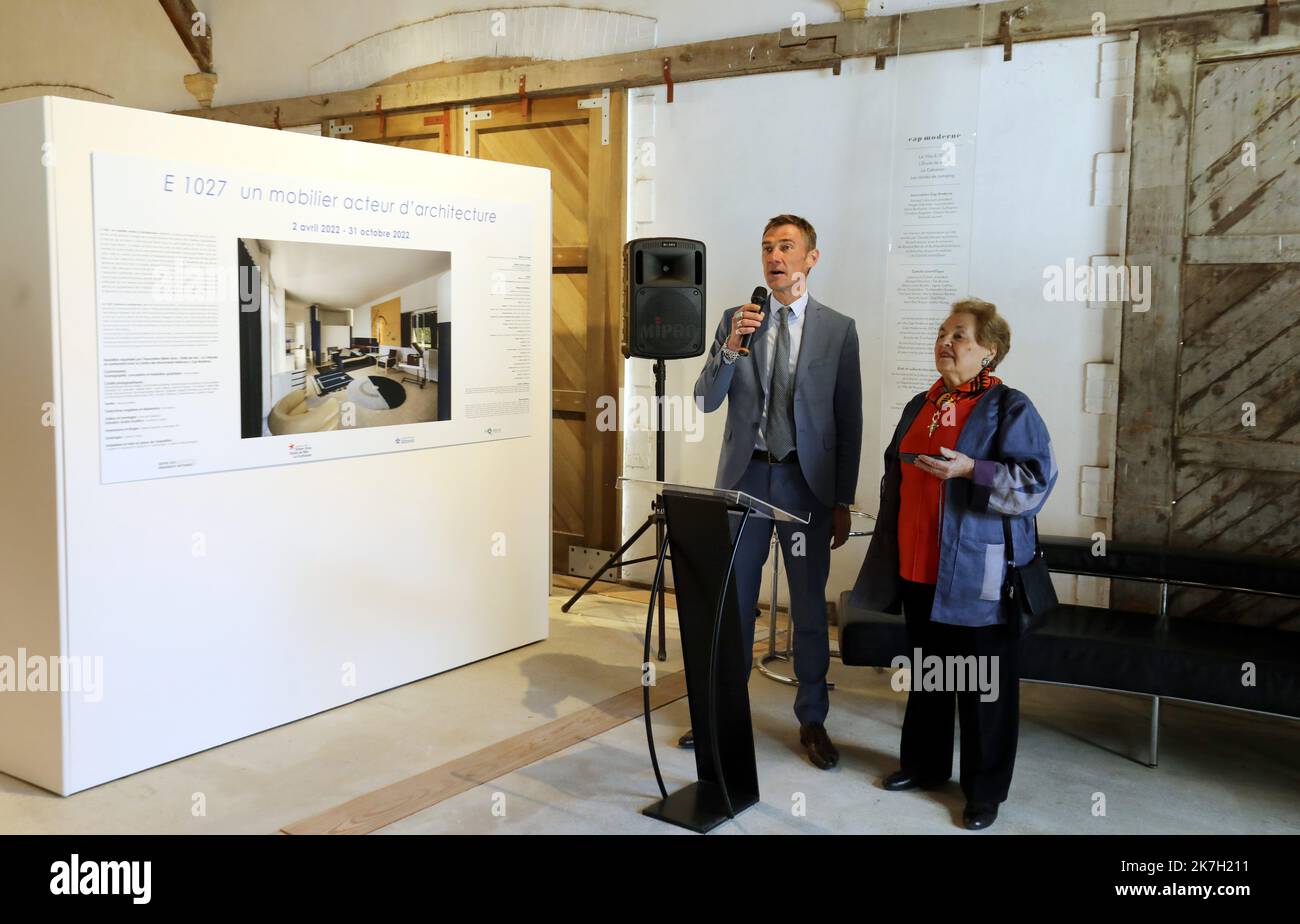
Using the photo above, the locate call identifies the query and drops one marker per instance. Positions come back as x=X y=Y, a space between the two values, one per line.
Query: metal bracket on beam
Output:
x=337 y=128
x=1004 y=36
x=601 y=102
x=523 y=96
x=275 y=120
x=470 y=114
x=445 y=121
x=668 y=77
x=1004 y=29
x=1272 y=17
x=383 y=119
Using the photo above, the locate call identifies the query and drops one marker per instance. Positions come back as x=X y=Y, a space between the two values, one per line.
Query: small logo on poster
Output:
x=404 y=440
x=299 y=451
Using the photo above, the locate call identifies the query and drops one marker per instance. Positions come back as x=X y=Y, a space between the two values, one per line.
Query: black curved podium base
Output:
x=702 y=539
x=698 y=807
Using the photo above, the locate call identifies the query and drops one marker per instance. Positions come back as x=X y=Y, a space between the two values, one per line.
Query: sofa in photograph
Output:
x=345 y=360
x=291 y=414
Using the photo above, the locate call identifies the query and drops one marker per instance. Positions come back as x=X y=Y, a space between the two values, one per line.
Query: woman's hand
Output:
x=957 y=464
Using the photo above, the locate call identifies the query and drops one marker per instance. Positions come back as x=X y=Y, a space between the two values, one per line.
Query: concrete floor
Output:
x=1220 y=771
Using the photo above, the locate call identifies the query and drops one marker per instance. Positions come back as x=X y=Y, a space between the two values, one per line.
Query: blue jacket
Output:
x=1015 y=470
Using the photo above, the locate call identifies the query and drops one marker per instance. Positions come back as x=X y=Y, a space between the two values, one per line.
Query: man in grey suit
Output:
x=793 y=438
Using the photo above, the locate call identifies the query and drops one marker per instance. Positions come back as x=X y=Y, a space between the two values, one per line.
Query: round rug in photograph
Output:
x=376 y=393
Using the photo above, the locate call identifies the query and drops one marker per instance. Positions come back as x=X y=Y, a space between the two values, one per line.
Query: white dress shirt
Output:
x=795 y=324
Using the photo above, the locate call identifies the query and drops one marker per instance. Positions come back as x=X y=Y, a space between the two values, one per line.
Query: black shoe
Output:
x=821 y=752
x=687 y=740
x=901 y=780
x=979 y=815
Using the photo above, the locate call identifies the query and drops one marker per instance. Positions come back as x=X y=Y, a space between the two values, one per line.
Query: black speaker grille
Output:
x=667 y=323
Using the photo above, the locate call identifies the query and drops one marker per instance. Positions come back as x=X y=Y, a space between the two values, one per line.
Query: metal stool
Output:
x=786 y=653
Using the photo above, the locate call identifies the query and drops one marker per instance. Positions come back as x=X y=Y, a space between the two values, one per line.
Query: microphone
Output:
x=756 y=297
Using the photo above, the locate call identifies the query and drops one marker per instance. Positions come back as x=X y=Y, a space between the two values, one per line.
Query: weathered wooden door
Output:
x=424 y=129
x=1208 y=447
x=580 y=139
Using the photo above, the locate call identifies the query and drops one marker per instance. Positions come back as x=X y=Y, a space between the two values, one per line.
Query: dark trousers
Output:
x=806 y=554
x=988 y=729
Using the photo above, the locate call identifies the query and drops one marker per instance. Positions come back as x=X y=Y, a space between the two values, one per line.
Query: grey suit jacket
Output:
x=827 y=401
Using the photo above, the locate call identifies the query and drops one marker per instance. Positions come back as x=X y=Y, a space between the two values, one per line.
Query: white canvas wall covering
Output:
x=1039 y=127
x=932 y=191
x=215 y=602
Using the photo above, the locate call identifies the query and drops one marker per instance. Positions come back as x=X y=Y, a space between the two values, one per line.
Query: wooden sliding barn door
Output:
x=423 y=129
x=1208 y=449
x=580 y=139
x=582 y=146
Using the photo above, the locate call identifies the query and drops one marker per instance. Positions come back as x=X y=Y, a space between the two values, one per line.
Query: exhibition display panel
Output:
x=248 y=477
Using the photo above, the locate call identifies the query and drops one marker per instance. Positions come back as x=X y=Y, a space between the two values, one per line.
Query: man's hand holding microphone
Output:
x=745 y=320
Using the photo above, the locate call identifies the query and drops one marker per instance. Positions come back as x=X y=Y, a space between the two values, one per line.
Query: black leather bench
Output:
x=1145 y=653
x=343 y=364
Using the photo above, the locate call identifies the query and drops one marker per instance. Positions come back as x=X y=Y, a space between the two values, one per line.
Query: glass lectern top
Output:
x=737 y=498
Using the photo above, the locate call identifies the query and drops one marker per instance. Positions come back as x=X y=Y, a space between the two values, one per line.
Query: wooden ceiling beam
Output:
x=981 y=24
x=182 y=15
x=818 y=46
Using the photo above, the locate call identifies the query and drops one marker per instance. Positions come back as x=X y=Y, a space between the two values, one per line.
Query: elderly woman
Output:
x=967 y=453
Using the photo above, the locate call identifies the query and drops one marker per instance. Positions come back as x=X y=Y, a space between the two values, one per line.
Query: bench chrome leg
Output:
x=1155 y=731
x=773 y=654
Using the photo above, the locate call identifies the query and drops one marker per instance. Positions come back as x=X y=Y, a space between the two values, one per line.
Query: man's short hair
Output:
x=803 y=224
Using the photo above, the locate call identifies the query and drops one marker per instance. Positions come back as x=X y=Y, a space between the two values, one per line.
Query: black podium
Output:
x=704 y=526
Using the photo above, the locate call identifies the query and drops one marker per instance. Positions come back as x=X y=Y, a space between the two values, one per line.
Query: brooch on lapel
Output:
x=942 y=403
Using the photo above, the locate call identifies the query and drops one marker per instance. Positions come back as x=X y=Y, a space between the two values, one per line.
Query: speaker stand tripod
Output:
x=655 y=518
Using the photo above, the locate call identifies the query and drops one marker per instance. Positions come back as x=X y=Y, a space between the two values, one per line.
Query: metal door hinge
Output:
x=586 y=562
x=602 y=102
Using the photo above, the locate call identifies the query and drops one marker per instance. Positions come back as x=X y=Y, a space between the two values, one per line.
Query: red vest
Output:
x=921 y=495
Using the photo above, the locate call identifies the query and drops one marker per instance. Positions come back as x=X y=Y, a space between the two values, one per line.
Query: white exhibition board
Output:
x=168 y=298
x=255 y=586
